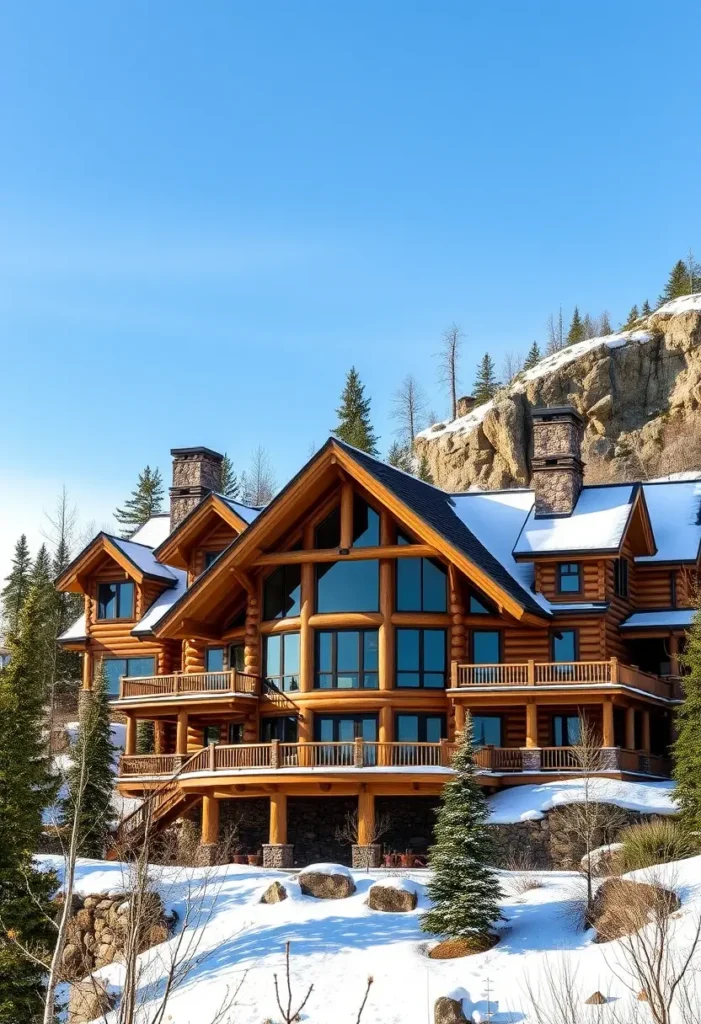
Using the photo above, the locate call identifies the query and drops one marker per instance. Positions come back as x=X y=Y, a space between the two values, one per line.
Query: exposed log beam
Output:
x=354 y=554
x=195 y=630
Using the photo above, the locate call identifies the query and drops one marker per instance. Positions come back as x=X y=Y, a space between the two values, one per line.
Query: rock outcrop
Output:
x=629 y=387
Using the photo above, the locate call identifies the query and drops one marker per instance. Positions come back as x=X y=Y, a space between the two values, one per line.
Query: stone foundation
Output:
x=311 y=828
x=209 y=854
x=278 y=855
x=411 y=822
x=364 y=857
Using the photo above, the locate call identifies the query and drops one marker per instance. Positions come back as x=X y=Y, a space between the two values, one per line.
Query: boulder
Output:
x=275 y=893
x=391 y=898
x=72 y=958
x=621 y=907
x=448 y=1011
x=88 y=1000
x=327 y=882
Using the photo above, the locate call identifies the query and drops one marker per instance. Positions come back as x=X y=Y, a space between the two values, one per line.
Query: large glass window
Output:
x=281 y=654
x=116 y=667
x=486 y=646
x=348 y=586
x=421 y=658
x=569 y=577
x=328 y=533
x=115 y=600
x=564 y=645
x=477 y=607
x=565 y=730
x=366 y=525
x=345 y=728
x=281 y=593
x=283 y=729
x=214 y=659
x=236 y=657
x=419 y=728
x=486 y=730
x=346 y=659
x=421 y=585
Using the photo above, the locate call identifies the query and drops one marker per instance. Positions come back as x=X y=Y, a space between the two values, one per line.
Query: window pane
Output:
x=140 y=667
x=369 y=729
x=236 y=657
x=125 y=600
x=572 y=729
x=328 y=533
x=408 y=649
x=214 y=659
x=366 y=525
x=408 y=584
x=370 y=644
x=291 y=653
x=486 y=730
x=408 y=679
x=347 y=680
x=476 y=606
x=434 y=649
x=325 y=681
x=564 y=645
x=107 y=601
x=281 y=593
x=346 y=730
x=434 y=587
x=273 y=649
x=434 y=680
x=209 y=557
x=324 y=727
x=348 y=651
x=324 y=645
x=348 y=586
x=485 y=646
x=557 y=731
x=114 y=668
x=569 y=577
x=407 y=728
x=434 y=728
x=370 y=680
x=211 y=734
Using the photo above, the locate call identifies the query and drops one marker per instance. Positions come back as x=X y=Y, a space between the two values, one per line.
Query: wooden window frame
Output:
x=553 y=636
x=422 y=716
x=422 y=561
x=115 y=618
x=278 y=680
x=361 y=672
x=560 y=574
x=421 y=671
x=487 y=629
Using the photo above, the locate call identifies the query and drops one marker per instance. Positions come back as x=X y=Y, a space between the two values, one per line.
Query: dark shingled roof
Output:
x=436 y=509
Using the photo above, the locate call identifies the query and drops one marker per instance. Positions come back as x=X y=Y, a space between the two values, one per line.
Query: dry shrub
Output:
x=621 y=907
x=450 y=949
x=522 y=880
x=654 y=842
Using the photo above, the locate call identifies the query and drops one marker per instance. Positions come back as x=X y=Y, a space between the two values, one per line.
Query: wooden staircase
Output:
x=160 y=808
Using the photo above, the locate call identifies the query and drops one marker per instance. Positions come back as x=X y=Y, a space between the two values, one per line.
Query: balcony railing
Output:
x=230 y=681
x=562 y=673
x=358 y=754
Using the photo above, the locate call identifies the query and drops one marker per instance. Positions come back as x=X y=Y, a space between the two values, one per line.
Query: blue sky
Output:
x=208 y=212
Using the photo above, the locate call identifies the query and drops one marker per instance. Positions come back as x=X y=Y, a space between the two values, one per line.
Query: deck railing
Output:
x=229 y=681
x=563 y=673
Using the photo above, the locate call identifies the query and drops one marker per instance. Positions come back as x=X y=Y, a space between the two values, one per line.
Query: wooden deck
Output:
x=559 y=673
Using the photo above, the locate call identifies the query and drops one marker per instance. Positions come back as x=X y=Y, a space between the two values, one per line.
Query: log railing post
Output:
x=444 y=753
x=212 y=757
x=275 y=753
x=615 y=674
x=358 y=752
x=531 y=672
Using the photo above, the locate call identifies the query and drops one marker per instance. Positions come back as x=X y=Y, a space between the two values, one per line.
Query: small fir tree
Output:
x=576 y=332
x=464 y=890
x=533 y=356
x=633 y=318
x=687 y=749
x=423 y=470
x=146 y=501
x=684 y=278
x=229 y=486
x=17 y=584
x=645 y=311
x=605 y=325
x=94 y=749
x=354 y=425
x=399 y=455
x=486 y=382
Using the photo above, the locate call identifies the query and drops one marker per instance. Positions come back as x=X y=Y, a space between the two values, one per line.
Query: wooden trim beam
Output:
x=354 y=554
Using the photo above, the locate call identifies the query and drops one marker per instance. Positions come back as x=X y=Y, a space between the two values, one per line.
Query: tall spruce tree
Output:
x=464 y=889
x=684 y=278
x=533 y=356
x=605 y=325
x=354 y=425
x=687 y=749
x=146 y=501
x=486 y=382
x=576 y=332
x=26 y=789
x=94 y=750
x=229 y=486
x=17 y=585
x=645 y=309
x=399 y=455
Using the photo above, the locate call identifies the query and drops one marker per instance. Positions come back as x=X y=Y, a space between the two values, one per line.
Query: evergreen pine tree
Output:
x=533 y=356
x=399 y=455
x=354 y=425
x=576 y=332
x=486 y=382
x=687 y=749
x=146 y=501
x=145 y=737
x=94 y=748
x=229 y=486
x=424 y=470
x=684 y=278
x=646 y=309
x=633 y=318
x=463 y=889
x=17 y=585
x=605 y=325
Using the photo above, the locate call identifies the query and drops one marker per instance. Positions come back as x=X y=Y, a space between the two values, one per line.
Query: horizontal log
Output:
x=349 y=620
x=354 y=554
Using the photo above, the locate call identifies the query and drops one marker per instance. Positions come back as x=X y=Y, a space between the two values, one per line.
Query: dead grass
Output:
x=451 y=949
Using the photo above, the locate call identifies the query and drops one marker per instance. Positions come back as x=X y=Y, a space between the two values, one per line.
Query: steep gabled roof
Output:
x=137 y=560
x=675 y=513
x=237 y=515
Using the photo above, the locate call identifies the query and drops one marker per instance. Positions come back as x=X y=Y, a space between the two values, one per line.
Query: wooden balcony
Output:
x=178 y=683
x=559 y=673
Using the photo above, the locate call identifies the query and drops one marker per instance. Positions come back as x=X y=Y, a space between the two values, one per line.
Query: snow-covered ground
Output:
x=529 y=803
x=336 y=944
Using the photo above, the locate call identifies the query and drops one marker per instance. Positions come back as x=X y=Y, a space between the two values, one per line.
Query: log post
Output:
x=130 y=738
x=385 y=634
x=210 y=821
x=630 y=728
x=460 y=718
x=531 y=725
x=674 y=655
x=366 y=818
x=458 y=633
x=347 y=514
x=607 y=723
x=88 y=670
x=159 y=737
x=646 y=731
x=181 y=734
x=306 y=633
x=278 y=819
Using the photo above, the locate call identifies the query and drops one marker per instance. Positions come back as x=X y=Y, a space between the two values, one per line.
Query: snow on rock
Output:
x=530 y=803
x=327 y=869
x=462 y=424
x=397 y=882
x=684 y=304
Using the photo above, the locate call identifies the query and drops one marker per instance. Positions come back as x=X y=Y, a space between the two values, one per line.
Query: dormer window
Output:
x=569 y=578
x=210 y=557
x=115 y=600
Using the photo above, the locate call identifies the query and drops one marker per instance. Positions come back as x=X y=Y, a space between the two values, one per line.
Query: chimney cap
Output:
x=198 y=450
x=544 y=412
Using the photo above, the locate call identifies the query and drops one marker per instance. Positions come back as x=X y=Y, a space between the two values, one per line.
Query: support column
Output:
x=208 y=851
x=278 y=853
x=130 y=738
x=87 y=670
x=181 y=734
x=159 y=737
x=458 y=633
x=607 y=723
x=385 y=636
x=646 y=731
x=531 y=725
x=346 y=514
x=460 y=719
x=366 y=853
x=674 y=655
x=630 y=728
x=306 y=633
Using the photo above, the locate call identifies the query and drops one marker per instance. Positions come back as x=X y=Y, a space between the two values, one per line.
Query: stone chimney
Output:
x=196 y=472
x=557 y=460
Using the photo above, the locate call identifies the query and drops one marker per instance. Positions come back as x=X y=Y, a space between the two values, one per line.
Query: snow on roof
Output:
x=163 y=603
x=529 y=803
x=674 y=509
x=684 y=304
x=672 y=617
x=246 y=512
x=153 y=532
x=76 y=631
x=142 y=557
x=597 y=524
x=496 y=518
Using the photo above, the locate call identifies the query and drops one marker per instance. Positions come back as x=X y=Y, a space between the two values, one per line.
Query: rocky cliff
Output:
x=639 y=392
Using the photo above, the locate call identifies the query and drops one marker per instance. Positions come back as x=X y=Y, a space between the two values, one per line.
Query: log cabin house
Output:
x=331 y=644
